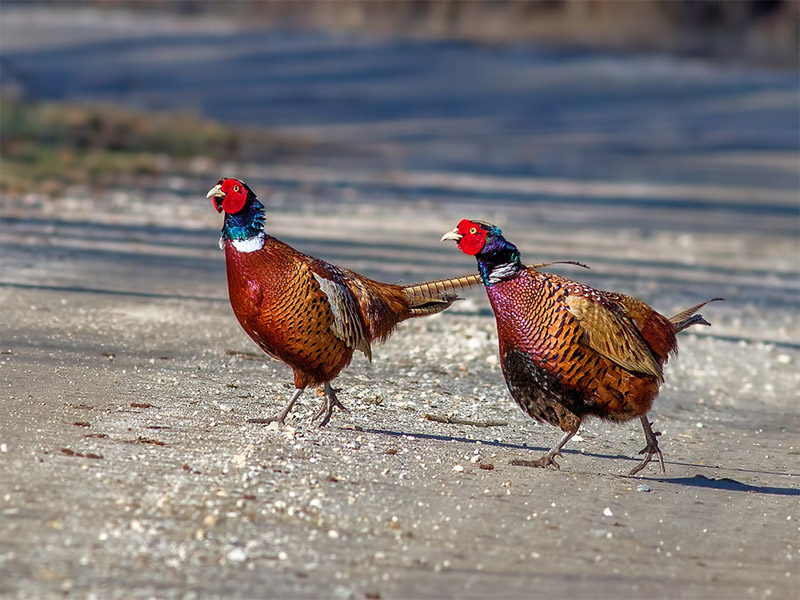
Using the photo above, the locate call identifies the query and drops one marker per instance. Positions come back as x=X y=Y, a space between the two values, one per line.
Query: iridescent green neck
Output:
x=245 y=224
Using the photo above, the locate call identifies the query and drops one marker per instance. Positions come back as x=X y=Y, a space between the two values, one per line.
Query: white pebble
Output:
x=237 y=555
x=458 y=468
x=607 y=512
x=784 y=359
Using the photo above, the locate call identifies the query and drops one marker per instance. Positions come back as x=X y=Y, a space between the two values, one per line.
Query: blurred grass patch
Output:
x=45 y=146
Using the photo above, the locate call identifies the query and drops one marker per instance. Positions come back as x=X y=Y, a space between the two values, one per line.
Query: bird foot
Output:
x=280 y=418
x=326 y=408
x=650 y=450
x=546 y=461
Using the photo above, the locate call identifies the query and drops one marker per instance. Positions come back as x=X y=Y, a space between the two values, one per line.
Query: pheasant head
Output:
x=498 y=258
x=244 y=214
x=230 y=195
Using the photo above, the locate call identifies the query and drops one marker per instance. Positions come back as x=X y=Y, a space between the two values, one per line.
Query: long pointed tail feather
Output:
x=687 y=318
x=431 y=297
x=439 y=290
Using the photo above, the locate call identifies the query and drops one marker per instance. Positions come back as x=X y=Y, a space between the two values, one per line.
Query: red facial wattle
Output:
x=235 y=197
x=474 y=237
x=234 y=202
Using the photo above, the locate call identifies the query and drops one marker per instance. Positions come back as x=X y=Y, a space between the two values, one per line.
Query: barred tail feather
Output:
x=687 y=318
x=431 y=297
x=440 y=290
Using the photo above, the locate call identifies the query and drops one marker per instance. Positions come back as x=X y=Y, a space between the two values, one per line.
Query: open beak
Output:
x=452 y=235
x=218 y=196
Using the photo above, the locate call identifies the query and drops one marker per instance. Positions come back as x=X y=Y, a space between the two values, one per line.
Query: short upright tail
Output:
x=687 y=318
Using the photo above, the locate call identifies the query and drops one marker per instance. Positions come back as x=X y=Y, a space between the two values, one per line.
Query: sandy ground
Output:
x=127 y=468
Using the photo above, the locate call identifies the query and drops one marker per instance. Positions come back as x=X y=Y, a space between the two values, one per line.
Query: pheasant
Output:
x=569 y=351
x=304 y=311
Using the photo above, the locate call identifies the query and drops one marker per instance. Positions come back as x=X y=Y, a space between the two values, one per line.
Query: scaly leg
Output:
x=280 y=418
x=651 y=448
x=331 y=402
x=549 y=458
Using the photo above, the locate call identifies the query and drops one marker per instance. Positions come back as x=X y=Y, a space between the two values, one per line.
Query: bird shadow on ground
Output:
x=492 y=443
x=702 y=481
x=727 y=484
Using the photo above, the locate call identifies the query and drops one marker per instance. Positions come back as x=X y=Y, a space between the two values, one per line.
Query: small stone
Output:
x=784 y=359
x=643 y=488
x=333 y=534
x=237 y=555
x=458 y=468
x=607 y=512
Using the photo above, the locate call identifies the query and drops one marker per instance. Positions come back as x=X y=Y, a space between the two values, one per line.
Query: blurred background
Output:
x=655 y=140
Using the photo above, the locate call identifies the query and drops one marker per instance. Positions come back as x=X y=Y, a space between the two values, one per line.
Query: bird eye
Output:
x=473 y=231
x=236 y=188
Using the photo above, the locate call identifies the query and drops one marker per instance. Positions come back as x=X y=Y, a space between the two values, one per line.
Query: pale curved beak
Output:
x=216 y=192
x=217 y=195
x=452 y=235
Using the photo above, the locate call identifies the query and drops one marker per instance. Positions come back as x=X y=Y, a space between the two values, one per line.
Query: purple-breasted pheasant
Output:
x=304 y=311
x=567 y=350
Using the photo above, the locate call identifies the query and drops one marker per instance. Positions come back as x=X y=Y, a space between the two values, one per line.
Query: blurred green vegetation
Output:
x=49 y=145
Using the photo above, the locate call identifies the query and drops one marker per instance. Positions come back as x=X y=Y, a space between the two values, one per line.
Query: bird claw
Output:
x=650 y=448
x=545 y=461
x=650 y=451
x=326 y=408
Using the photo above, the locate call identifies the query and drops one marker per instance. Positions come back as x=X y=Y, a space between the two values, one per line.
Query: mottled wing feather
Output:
x=347 y=323
x=613 y=335
x=655 y=328
x=382 y=305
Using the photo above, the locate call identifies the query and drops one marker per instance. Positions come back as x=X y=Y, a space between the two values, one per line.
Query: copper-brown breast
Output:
x=533 y=318
x=278 y=302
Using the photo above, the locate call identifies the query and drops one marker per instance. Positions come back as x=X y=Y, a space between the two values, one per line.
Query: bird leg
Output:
x=549 y=458
x=331 y=402
x=651 y=448
x=280 y=417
